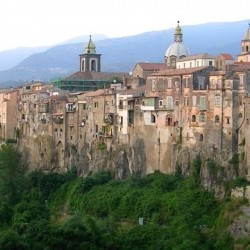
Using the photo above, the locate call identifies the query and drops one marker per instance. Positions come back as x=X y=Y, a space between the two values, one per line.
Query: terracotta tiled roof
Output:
x=136 y=91
x=241 y=66
x=98 y=92
x=226 y=56
x=172 y=72
x=152 y=66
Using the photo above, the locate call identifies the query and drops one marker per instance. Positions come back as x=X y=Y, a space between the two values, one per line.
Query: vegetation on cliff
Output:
x=64 y=211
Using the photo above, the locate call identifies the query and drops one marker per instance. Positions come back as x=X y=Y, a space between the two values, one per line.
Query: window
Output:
x=186 y=101
x=96 y=105
x=217 y=119
x=154 y=82
x=201 y=82
x=70 y=106
x=169 y=104
x=201 y=137
x=169 y=83
x=186 y=80
x=83 y=65
x=93 y=65
x=121 y=104
x=240 y=115
x=152 y=118
x=84 y=106
x=193 y=118
x=202 y=103
x=168 y=121
x=228 y=120
x=210 y=63
x=160 y=103
x=241 y=79
x=240 y=100
x=217 y=100
x=202 y=117
x=172 y=61
x=194 y=99
x=219 y=84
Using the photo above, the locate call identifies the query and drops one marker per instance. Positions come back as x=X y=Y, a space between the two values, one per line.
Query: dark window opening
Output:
x=217 y=119
x=201 y=137
x=152 y=118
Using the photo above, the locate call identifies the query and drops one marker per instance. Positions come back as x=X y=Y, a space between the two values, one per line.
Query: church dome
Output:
x=176 y=50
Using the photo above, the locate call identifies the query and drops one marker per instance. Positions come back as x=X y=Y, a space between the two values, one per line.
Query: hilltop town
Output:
x=158 y=117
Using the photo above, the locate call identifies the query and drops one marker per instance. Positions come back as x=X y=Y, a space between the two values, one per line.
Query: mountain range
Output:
x=118 y=54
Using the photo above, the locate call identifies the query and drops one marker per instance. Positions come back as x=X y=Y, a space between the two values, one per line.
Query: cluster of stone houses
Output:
x=190 y=104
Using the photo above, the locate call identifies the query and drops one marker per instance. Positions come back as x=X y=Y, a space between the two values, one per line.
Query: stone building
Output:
x=134 y=127
x=197 y=60
x=8 y=113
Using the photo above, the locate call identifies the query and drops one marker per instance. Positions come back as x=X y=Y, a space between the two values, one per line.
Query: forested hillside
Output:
x=64 y=211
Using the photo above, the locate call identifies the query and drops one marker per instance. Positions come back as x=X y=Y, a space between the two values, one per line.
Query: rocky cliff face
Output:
x=123 y=160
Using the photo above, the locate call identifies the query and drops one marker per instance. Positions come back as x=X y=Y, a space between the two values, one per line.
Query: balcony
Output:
x=58 y=119
x=105 y=135
x=70 y=107
x=43 y=109
x=106 y=132
x=109 y=119
x=43 y=119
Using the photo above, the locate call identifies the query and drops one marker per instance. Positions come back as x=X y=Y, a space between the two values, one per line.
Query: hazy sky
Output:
x=32 y=23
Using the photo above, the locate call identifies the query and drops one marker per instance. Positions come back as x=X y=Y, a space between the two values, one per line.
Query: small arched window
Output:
x=152 y=118
x=202 y=117
x=83 y=66
x=193 y=118
x=217 y=119
x=168 y=121
x=240 y=115
x=93 y=65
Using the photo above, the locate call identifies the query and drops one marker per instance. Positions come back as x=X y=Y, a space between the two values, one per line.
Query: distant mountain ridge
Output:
x=121 y=54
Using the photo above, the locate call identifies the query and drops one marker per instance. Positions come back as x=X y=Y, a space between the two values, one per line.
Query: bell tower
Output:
x=90 y=61
x=244 y=56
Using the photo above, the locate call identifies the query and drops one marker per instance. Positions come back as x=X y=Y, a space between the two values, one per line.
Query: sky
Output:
x=34 y=23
